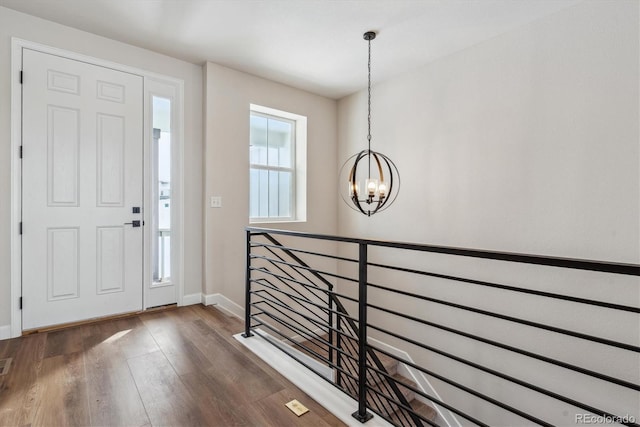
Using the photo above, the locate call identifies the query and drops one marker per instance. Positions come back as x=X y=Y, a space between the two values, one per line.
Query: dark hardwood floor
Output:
x=179 y=367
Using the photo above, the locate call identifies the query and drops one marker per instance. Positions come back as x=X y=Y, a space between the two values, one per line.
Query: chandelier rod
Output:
x=369 y=35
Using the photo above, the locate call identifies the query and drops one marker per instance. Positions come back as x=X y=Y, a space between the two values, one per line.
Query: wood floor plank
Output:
x=64 y=341
x=208 y=391
x=171 y=337
x=165 y=397
x=223 y=323
x=63 y=392
x=20 y=386
x=133 y=338
x=178 y=367
x=272 y=410
x=246 y=380
x=112 y=393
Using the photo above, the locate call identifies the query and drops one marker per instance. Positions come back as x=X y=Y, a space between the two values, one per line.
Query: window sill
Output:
x=276 y=221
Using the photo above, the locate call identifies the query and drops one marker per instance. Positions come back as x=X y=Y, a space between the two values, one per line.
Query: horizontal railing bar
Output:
x=297 y=344
x=255 y=304
x=289 y=278
x=259 y=291
x=375 y=403
x=339 y=258
x=352 y=346
x=309 y=302
x=532 y=355
x=326 y=273
x=318 y=337
x=580 y=335
x=503 y=287
x=475 y=393
x=280 y=303
x=295 y=268
x=399 y=409
x=333 y=366
x=333 y=299
x=300 y=361
x=333 y=293
x=261 y=282
x=501 y=375
x=578 y=264
x=288 y=285
x=306 y=285
x=288 y=274
x=382 y=382
x=434 y=400
x=260 y=294
x=322 y=324
x=298 y=260
x=303 y=297
x=373 y=366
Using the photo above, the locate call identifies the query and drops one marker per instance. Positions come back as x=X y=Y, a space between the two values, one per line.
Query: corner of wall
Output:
x=224 y=304
x=5 y=332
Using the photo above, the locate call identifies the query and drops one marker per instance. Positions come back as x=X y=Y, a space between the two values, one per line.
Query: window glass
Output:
x=272 y=171
x=161 y=224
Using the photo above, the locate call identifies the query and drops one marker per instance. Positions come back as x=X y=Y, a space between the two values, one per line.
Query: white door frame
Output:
x=177 y=225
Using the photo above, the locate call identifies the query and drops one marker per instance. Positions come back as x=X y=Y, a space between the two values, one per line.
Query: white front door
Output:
x=82 y=180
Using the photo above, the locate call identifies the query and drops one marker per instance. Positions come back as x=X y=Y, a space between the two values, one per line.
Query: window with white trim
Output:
x=273 y=144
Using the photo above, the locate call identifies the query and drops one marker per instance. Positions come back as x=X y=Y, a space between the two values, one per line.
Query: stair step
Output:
x=424 y=409
x=315 y=346
x=389 y=363
x=391 y=366
x=408 y=394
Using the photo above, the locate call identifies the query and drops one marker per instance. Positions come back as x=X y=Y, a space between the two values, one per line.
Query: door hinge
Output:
x=21 y=77
x=20 y=228
x=21 y=151
x=20 y=302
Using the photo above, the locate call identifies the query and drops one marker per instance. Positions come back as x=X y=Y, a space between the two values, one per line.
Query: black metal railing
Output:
x=495 y=349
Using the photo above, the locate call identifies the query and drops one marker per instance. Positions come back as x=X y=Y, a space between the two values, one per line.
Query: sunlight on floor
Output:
x=116 y=336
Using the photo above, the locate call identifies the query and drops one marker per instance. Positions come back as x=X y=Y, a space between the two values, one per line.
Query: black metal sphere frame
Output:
x=379 y=197
x=369 y=205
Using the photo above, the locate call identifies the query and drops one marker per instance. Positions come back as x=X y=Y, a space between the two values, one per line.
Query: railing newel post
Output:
x=331 y=332
x=361 y=414
x=247 y=295
x=339 y=347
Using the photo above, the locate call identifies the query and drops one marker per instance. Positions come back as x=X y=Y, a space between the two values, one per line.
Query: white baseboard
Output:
x=334 y=400
x=318 y=366
x=224 y=304
x=445 y=417
x=192 y=299
x=5 y=332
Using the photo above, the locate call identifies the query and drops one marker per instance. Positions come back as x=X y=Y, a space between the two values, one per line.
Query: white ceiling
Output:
x=314 y=45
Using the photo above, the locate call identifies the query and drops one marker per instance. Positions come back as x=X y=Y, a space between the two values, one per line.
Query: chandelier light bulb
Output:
x=382 y=189
x=372 y=186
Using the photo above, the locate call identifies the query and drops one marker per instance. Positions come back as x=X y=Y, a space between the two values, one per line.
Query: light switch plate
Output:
x=216 y=201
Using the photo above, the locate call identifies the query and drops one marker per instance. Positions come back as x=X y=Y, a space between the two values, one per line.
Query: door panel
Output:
x=82 y=174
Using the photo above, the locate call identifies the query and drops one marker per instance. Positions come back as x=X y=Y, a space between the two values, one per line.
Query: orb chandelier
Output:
x=373 y=179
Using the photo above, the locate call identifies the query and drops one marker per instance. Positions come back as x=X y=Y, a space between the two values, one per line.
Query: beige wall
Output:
x=228 y=94
x=525 y=143
x=15 y=24
x=528 y=143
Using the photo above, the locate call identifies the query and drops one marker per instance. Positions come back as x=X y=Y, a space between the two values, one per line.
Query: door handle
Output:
x=134 y=223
